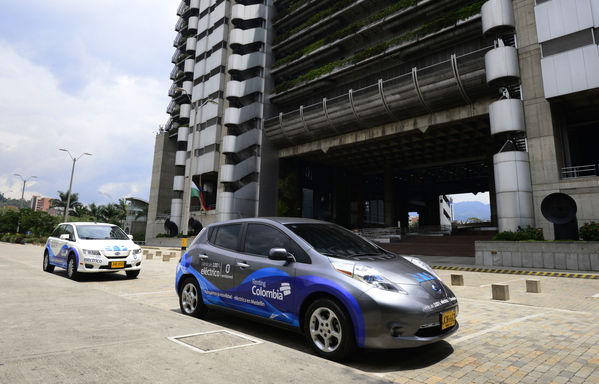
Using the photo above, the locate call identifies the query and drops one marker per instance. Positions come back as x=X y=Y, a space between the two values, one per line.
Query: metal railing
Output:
x=580 y=171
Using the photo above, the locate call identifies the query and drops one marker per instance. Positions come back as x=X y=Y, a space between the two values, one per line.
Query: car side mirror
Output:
x=65 y=236
x=280 y=254
x=130 y=237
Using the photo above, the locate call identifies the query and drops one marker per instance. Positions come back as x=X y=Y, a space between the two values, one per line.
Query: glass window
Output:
x=57 y=231
x=332 y=240
x=101 y=232
x=227 y=236
x=260 y=238
x=68 y=229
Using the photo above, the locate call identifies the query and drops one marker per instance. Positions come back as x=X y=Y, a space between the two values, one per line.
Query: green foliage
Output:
x=522 y=234
x=589 y=231
x=288 y=203
x=426 y=29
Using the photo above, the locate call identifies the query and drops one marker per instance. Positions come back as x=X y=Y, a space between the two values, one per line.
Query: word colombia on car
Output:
x=88 y=247
x=342 y=291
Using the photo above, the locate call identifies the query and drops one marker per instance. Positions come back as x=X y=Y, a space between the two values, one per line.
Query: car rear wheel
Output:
x=46 y=264
x=132 y=274
x=72 y=268
x=328 y=330
x=190 y=298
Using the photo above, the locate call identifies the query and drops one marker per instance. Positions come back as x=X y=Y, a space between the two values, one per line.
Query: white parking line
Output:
x=497 y=327
x=596 y=295
x=501 y=282
x=147 y=293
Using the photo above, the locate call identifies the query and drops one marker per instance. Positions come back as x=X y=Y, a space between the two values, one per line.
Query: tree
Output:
x=95 y=212
x=61 y=202
x=111 y=213
x=79 y=210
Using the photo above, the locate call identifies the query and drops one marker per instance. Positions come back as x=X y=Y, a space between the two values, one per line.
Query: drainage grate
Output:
x=214 y=341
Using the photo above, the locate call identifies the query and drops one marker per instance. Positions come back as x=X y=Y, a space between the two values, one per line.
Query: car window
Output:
x=57 y=231
x=227 y=236
x=332 y=240
x=101 y=232
x=260 y=238
x=68 y=229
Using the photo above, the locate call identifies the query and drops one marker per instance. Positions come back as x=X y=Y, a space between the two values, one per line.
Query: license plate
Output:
x=448 y=319
x=117 y=264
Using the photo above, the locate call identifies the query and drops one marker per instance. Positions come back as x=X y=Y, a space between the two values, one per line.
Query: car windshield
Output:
x=332 y=240
x=101 y=232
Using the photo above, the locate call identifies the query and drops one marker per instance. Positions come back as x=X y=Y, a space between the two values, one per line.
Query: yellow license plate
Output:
x=117 y=264
x=448 y=319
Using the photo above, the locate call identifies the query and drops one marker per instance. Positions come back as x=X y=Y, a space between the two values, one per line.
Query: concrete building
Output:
x=40 y=203
x=360 y=111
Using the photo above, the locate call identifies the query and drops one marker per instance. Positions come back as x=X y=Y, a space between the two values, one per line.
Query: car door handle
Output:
x=242 y=265
x=203 y=256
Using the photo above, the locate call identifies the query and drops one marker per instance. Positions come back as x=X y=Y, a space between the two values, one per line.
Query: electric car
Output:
x=91 y=248
x=342 y=291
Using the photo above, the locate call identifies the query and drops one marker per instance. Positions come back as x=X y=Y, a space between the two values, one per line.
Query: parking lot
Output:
x=106 y=328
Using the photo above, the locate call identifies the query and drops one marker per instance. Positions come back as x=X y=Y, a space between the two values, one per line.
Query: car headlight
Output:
x=419 y=263
x=91 y=252
x=137 y=251
x=366 y=275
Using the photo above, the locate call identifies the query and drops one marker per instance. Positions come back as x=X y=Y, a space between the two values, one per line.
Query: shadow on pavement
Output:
x=373 y=361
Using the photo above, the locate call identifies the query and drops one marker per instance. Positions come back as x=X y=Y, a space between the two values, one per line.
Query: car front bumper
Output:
x=98 y=264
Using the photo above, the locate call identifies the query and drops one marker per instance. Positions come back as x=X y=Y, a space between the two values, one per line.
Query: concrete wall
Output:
x=563 y=255
x=544 y=144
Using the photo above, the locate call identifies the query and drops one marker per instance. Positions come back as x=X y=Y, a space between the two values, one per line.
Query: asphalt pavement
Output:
x=108 y=329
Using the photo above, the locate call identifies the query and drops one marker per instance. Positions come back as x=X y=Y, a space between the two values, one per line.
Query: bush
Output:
x=522 y=234
x=589 y=231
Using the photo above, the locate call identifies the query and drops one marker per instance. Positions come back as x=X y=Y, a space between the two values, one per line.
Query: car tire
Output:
x=190 y=298
x=46 y=266
x=132 y=274
x=328 y=330
x=72 y=268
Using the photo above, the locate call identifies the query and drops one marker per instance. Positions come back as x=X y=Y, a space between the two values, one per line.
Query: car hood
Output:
x=395 y=268
x=109 y=247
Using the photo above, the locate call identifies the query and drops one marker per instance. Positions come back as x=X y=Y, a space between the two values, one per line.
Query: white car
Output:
x=90 y=248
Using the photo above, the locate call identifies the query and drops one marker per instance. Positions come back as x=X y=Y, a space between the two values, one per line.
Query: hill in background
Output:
x=467 y=209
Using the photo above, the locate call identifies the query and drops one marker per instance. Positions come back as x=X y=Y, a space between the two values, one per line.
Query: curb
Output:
x=518 y=272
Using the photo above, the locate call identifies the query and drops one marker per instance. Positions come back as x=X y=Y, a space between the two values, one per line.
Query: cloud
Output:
x=113 y=117
x=482 y=197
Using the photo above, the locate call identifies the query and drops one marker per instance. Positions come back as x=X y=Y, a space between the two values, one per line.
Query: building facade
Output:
x=40 y=203
x=360 y=111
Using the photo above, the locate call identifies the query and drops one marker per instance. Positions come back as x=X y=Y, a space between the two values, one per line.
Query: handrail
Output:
x=580 y=171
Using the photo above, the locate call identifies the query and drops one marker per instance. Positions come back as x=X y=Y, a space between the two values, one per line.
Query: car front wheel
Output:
x=190 y=298
x=132 y=274
x=46 y=264
x=72 y=268
x=328 y=330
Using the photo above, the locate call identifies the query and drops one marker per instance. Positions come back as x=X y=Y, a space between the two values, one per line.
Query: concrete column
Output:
x=513 y=190
x=389 y=198
x=492 y=197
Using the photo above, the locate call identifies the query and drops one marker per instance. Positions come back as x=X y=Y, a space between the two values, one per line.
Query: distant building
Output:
x=40 y=203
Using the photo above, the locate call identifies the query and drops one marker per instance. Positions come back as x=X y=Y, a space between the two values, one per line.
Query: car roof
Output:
x=280 y=220
x=86 y=223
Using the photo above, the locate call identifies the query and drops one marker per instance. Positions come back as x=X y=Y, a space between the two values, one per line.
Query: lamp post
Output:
x=74 y=158
x=187 y=192
x=25 y=180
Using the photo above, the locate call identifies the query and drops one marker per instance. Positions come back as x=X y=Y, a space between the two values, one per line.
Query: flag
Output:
x=197 y=192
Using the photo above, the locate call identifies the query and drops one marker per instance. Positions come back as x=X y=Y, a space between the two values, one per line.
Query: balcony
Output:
x=180 y=157
x=438 y=87
x=502 y=66
x=244 y=62
x=235 y=144
x=507 y=115
x=242 y=12
x=240 y=37
x=589 y=170
x=244 y=88
x=178 y=183
x=183 y=134
x=235 y=116
x=498 y=16
x=230 y=173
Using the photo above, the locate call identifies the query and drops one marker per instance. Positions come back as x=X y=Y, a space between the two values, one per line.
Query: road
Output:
x=108 y=329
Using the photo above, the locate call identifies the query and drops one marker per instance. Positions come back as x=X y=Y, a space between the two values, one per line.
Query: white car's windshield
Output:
x=101 y=232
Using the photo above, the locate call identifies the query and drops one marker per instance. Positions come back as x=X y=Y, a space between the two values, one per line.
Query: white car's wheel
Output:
x=46 y=266
x=72 y=268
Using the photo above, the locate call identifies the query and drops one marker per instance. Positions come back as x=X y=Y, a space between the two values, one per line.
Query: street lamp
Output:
x=187 y=191
x=74 y=158
x=25 y=180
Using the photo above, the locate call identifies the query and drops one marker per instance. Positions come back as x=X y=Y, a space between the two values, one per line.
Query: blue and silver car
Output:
x=339 y=289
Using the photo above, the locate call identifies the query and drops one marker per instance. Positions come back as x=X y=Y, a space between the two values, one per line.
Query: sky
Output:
x=88 y=76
